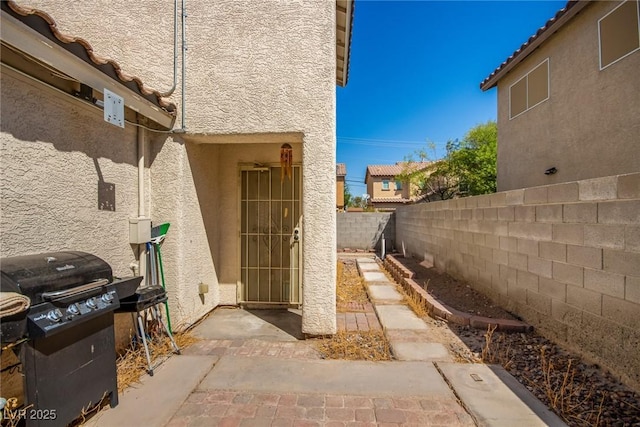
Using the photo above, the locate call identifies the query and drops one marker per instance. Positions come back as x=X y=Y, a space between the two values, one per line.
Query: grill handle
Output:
x=50 y=296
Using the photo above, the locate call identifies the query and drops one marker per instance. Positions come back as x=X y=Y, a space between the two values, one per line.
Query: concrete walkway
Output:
x=251 y=369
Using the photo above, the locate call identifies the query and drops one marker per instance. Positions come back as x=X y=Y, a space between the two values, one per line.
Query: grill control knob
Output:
x=91 y=303
x=107 y=298
x=73 y=310
x=54 y=315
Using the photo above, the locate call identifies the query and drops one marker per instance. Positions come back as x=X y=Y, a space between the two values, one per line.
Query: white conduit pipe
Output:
x=141 y=205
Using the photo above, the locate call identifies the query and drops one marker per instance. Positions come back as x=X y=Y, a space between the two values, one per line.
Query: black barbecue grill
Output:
x=68 y=354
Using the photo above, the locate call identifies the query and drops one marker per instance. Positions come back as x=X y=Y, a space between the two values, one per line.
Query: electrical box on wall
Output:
x=139 y=230
x=113 y=108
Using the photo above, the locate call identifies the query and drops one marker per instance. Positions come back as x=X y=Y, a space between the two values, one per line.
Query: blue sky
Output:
x=415 y=72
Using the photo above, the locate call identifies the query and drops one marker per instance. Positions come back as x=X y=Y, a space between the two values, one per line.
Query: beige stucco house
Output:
x=341 y=174
x=204 y=149
x=568 y=104
x=386 y=192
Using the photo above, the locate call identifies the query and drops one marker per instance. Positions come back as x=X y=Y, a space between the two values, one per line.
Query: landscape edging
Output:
x=437 y=308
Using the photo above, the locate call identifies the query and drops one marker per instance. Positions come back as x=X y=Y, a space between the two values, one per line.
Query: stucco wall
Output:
x=565 y=257
x=363 y=230
x=54 y=152
x=377 y=192
x=590 y=125
x=253 y=68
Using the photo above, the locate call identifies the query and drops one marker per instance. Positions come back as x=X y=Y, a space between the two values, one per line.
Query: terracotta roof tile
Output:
x=46 y=25
x=390 y=200
x=341 y=169
x=393 y=170
x=551 y=26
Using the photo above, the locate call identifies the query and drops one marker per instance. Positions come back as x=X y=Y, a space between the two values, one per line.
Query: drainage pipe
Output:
x=175 y=51
x=184 y=66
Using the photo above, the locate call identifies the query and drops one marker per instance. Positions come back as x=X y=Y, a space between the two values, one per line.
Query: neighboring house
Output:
x=341 y=174
x=386 y=192
x=568 y=103
x=233 y=158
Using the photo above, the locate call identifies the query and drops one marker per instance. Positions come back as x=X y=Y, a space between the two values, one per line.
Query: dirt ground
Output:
x=454 y=293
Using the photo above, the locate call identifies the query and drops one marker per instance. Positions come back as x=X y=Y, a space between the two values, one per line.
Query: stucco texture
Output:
x=590 y=125
x=254 y=69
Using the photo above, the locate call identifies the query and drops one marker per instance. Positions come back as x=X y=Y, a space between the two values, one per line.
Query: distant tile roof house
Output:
x=341 y=173
x=568 y=97
x=386 y=192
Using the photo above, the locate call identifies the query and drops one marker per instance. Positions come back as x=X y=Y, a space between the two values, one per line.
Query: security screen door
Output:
x=269 y=265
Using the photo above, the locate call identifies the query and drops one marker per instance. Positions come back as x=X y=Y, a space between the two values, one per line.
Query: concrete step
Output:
x=340 y=377
x=495 y=398
x=157 y=398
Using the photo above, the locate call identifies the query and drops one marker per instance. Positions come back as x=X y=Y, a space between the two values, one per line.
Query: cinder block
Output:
x=621 y=262
x=584 y=256
x=514 y=197
x=535 y=195
x=509 y=244
x=580 y=213
x=549 y=213
x=553 y=251
x=619 y=212
x=484 y=201
x=477 y=214
x=568 y=233
x=552 y=288
x=540 y=267
x=621 y=311
x=525 y=213
x=604 y=282
x=604 y=236
x=518 y=261
x=527 y=247
x=490 y=214
x=492 y=241
x=567 y=192
x=567 y=273
x=527 y=280
x=599 y=188
x=632 y=238
x=498 y=199
x=585 y=299
x=566 y=313
x=540 y=303
x=471 y=202
x=629 y=186
x=500 y=257
x=478 y=239
x=632 y=289
x=506 y=213
x=535 y=231
x=517 y=293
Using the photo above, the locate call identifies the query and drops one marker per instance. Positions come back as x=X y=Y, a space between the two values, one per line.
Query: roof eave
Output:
x=31 y=42
x=522 y=53
x=342 y=75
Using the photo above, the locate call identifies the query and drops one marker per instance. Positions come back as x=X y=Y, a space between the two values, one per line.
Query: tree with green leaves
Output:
x=467 y=169
x=347 y=195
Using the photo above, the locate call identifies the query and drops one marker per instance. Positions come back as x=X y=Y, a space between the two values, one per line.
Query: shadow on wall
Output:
x=203 y=161
x=34 y=114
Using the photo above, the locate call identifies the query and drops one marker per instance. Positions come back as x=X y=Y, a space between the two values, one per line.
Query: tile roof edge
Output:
x=97 y=61
x=549 y=28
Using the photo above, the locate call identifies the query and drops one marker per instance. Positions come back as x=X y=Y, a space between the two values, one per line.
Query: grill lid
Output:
x=53 y=271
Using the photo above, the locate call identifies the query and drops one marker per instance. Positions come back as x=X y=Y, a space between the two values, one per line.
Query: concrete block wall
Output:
x=564 y=257
x=363 y=230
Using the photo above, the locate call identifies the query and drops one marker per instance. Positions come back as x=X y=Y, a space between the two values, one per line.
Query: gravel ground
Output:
x=582 y=394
